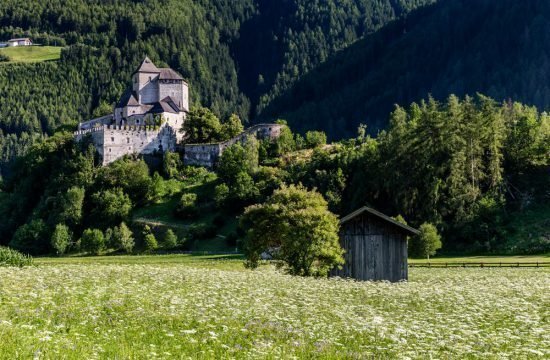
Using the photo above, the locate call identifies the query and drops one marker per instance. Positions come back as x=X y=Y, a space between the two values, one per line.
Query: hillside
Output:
x=31 y=53
x=499 y=48
x=232 y=52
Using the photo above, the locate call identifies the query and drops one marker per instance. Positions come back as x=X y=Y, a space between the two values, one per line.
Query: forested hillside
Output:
x=500 y=48
x=233 y=53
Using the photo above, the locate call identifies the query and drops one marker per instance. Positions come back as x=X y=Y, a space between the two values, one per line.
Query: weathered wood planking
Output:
x=375 y=246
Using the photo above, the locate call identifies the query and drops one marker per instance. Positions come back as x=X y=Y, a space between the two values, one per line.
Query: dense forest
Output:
x=499 y=48
x=232 y=52
x=475 y=168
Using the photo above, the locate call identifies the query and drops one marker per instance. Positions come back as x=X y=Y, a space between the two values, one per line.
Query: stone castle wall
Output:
x=113 y=142
x=208 y=155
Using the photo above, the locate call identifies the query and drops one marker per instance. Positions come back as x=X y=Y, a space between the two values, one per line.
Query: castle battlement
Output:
x=208 y=155
x=158 y=96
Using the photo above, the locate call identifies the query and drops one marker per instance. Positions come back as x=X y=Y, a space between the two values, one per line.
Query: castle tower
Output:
x=145 y=83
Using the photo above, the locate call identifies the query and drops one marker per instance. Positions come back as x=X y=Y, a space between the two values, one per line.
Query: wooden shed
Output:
x=375 y=245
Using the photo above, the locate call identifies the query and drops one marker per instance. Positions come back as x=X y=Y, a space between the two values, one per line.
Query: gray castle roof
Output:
x=128 y=99
x=169 y=74
x=147 y=66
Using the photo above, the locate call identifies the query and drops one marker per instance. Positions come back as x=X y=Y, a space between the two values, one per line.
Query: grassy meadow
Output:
x=210 y=307
x=32 y=53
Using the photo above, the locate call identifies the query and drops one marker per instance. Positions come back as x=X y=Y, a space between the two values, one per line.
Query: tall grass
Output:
x=10 y=257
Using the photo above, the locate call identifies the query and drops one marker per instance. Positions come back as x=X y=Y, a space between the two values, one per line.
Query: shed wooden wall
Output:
x=375 y=250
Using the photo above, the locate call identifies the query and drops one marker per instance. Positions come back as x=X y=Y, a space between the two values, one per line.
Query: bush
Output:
x=187 y=207
x=31 y=238
x=221 y=194
x=151 y=243
x=61 y=238
x=92 y=241
x=426 y=243
x=123 y=238
x=10 y=257
x=315 y=139
x=170 y=239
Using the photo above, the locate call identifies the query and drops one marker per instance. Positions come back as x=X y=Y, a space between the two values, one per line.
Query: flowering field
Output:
x=189 y=310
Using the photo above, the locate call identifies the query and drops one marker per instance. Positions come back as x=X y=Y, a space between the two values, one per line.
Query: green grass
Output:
x=210 y=307
x=484 y=259
x=32 y=53
x=162 y=213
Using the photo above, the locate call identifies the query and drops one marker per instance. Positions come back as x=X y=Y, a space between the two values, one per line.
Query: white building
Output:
x=20 y=42
x=158 y=98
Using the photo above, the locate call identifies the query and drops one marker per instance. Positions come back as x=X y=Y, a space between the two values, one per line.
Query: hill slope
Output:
x=222 y=47
x=500 y=48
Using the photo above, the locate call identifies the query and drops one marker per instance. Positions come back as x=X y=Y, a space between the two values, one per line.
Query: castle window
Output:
x=113 y=140
x=110 y=149
x=129 y=148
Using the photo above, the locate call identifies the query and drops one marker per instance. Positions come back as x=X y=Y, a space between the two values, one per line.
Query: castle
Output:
x=147 y=119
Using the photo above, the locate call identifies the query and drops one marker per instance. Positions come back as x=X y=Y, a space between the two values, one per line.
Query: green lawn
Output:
x=484 y=259
x=32 y=53
x=210 y=307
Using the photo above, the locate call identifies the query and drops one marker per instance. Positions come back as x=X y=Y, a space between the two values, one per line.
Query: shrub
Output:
x=10 y=257
x=315 y=139
x=61 y=238
x=151 y=243
x=170 y=239
x=92 y=241
x=123 y=238
x=426 y=243
x=187 y=207
x=31 y=238
x=221 y=194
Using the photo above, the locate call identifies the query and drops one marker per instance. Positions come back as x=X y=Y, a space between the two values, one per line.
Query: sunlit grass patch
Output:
x=32 y=53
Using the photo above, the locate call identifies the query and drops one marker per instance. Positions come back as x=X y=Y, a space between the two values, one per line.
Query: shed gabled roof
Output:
x=378 y=214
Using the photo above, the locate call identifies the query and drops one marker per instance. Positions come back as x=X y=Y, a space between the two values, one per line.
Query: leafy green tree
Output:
x=102 y=110
x=221 y=194
x=112 y=206
x=171 y=164
x=187 y=206
x=71 y=206
x=131 y=176
x=315 y=139
x=232 y=127
x=201 y=126
x=285 y=142
x=92 y=241
x=295 y=223
x=170 y=239
x=151 y=243
x=61 y=239
x=123 y=238
x=31 y=238
x=426 y=243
